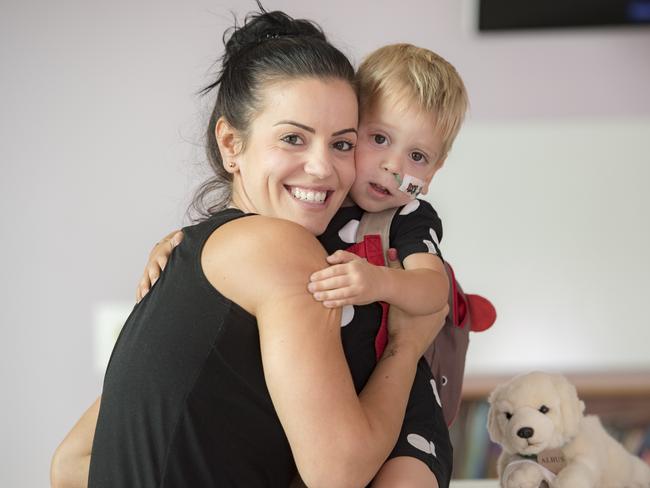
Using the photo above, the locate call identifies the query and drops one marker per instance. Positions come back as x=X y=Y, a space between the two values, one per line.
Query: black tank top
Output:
x=184 y=402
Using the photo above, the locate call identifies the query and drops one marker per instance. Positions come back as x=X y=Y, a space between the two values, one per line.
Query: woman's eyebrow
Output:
x=344 y=131
x=302 y=126
x=312 y=130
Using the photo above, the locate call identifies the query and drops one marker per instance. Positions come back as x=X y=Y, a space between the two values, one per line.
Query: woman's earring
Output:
x=231 y=164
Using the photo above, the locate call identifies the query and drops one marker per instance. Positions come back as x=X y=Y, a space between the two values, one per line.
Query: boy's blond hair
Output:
x=411 y=74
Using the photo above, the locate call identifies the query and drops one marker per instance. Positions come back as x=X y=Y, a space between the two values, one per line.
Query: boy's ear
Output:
x=437 y=165
x=230 y=144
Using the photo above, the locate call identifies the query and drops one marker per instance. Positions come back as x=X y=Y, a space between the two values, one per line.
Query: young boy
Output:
x=412 y=104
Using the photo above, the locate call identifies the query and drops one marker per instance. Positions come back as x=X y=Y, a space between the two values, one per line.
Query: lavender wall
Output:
x=544 y=196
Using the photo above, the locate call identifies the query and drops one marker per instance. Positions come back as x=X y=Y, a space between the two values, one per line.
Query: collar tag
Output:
x=552 y=459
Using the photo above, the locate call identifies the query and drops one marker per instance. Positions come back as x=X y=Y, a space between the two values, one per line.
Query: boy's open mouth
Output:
x=380 y=189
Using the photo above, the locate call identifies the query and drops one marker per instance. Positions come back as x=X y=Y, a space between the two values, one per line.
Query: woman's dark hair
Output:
x=269 y=46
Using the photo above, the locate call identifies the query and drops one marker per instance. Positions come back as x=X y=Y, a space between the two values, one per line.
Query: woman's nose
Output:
x=318 y=165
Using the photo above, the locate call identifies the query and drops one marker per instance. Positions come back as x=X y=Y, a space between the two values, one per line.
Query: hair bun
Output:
x=260 y=27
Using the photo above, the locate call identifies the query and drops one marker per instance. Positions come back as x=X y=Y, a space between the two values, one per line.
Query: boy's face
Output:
x=394 y=142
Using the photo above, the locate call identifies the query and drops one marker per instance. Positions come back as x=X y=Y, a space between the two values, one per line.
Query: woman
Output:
x=228 y=370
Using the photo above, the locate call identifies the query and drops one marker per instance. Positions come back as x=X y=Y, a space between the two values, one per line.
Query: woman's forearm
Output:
x=71 y=460
x=384 y=400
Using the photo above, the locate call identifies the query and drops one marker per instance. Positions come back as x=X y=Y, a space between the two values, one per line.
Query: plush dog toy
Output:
x=538 y=420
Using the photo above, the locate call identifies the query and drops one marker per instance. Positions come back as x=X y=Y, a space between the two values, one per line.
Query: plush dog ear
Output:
x=571 y=407
x=492 y=425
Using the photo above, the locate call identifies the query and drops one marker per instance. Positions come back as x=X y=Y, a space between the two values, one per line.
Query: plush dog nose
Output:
x=525 y=432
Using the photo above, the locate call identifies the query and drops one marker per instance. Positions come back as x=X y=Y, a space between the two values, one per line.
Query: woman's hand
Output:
x=157 y=261
x=415 y=332
x=71 y=460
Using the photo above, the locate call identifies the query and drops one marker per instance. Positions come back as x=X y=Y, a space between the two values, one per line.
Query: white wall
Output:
x=543 y=198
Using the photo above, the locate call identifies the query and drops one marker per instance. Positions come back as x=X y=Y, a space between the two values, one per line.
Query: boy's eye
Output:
x=379 y=139
x=343 y=146
x=292 y=139
x=418 y=156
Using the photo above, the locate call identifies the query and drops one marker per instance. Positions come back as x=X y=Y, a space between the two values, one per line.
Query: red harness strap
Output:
x=371 y=249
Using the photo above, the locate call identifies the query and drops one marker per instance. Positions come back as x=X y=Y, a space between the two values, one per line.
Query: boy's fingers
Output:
x=341 y=257
x=333 y=283
x=329 y=295
x=176 y=238
x=393 y=259
x=337 y=303
x=323 y=274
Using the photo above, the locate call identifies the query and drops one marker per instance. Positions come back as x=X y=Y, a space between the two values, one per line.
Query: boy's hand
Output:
x=350 y=280
x=157 y=261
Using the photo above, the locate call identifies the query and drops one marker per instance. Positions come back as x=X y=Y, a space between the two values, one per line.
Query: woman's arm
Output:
x=71 y=460
x=337 y=437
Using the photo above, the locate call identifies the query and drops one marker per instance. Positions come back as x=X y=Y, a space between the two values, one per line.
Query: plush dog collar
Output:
x=551 y=459
x=532 y=457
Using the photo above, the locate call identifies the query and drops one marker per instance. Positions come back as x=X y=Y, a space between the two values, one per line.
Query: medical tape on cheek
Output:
x=410 y=185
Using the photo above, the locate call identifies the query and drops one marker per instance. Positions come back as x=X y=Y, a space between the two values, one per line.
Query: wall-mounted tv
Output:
x=499 y=15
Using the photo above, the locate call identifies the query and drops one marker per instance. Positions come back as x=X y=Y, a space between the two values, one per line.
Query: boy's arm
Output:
x=420 y=289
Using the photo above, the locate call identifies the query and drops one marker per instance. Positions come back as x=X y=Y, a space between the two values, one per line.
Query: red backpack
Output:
x=446 y=355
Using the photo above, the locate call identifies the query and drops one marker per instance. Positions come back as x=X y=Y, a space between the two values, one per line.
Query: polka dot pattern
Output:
x=422 y=444
x=431 y=249
x=347 y=314
x=434 y=237
x=435 y=392
x=348 y=233
x=410 y=207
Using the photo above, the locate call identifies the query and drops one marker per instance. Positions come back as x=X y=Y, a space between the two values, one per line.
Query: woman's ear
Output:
x=230 y=144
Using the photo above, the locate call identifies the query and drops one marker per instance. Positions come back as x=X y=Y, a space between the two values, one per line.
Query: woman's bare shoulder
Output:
x=256 y=256
x=251 y=235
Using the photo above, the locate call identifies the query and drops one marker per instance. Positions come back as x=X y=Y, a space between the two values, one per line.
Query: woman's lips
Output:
x=309 y=195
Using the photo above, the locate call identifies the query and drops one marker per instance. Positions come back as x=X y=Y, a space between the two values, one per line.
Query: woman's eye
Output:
x=292 y=139
x=379 y=139
x=418 y=156
x=508 y=415
x=544 y=409
x=343 y=146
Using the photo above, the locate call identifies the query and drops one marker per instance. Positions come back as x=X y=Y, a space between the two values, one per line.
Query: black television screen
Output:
x=497 y=15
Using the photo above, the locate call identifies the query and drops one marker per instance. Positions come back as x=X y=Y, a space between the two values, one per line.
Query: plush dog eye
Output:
x=544 y=409
x=508 y=415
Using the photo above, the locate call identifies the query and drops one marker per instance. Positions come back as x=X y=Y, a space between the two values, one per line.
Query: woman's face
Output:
x=298 y=160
